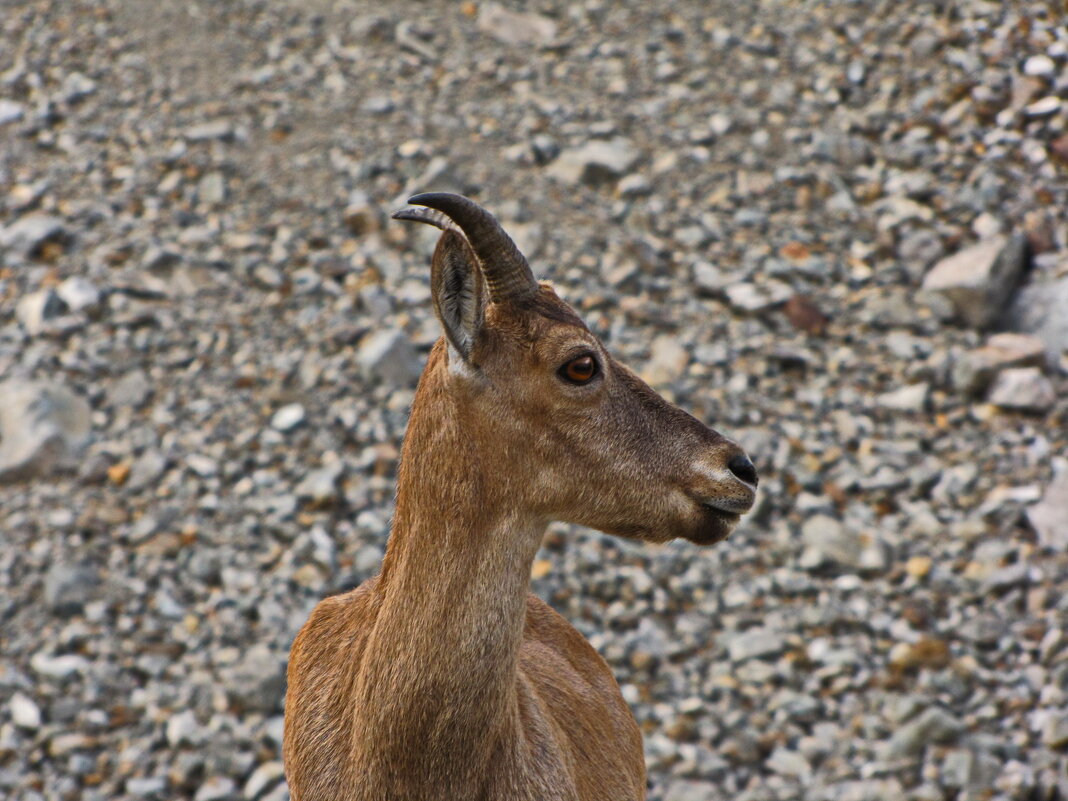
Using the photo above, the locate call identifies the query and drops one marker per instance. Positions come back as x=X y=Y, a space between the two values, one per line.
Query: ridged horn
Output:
x=507 y=274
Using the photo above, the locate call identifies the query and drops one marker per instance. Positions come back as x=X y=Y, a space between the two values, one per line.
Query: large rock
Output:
x=1049 y=517
x=1023 y=389
x=43 y=427
x=979 y=280
x=595 y=163
x=1039 y=309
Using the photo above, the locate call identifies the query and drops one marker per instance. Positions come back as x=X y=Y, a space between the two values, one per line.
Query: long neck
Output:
x=437 y=687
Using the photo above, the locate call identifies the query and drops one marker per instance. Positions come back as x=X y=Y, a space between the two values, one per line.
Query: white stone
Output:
x=910 y=398
x=1040 y=66
x=183 y=729
x=10 y=111
x=288 y=417
x=78 y=293
x=262 y=779
x=389 y=356
x=36 y=309
x=58 y=667
x=1049 y=517
x=28 y=233
x=1043 y=107
x=217 y=788
x=42 y=427
x=24 y=712
x=514 y=27
x=1025 y=389
x=595 y=163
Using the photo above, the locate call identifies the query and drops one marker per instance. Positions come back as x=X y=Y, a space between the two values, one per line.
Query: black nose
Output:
x=743 y=469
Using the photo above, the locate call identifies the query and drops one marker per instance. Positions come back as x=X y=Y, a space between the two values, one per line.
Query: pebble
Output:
x=1039 y=65
x=934 y=726
x=43 y=427
x=288 y=417
x=1049 y=517
x=911 y=398
x=28 y=234
x=79 y=294
x=755 y=644
x=67 y=588
x=262 y=780
x=10 y=111
x=37 y=309
x=388 y=355
x=974 y=373
x=58 y=667
x=24 y=712
x=217 y=788
x=515 y=28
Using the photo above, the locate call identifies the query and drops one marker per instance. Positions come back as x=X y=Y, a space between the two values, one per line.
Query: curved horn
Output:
x=506 y=271
x=428 y=216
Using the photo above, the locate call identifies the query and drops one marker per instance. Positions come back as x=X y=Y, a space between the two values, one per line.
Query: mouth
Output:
x=715 y=526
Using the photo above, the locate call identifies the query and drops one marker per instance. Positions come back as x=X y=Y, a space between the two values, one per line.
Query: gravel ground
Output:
x=833 y=230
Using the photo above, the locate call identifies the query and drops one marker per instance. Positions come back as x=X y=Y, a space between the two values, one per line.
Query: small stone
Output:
x=541 y=568
x=79 y=294
x=263 y=778
x=932 y=727
x=805 y=316
x=388 y=355
x=754 y=298
x=288 y=417
x=24 y=712
x=146 y=468
x=207 y=131
x=258 y=681
x=217 y=788
x=212 y=188
x=320 y=486
x=918 y=567
x=77 y=86
x=35 y=310
x=1055 y=730
x=1023 y=389
x=43 y=427
x=147 y=787
x=1039 y=309
x=667 y=361
x=1049 y=517
x=28 y=234
x=361 y=215
x=911 y=398
x=755 y=644
x=10 y=111
x=58 y=667
x=634 y=185
x=67 y=588
x=979 y=280
x=1043 y=107
x=595 y=163
x=183 y=729
x=974 y=373
x=1040 y=66
x=790 y=763
x=515 y=28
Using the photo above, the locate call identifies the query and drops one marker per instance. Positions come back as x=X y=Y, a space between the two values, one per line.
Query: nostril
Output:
x=743 y=468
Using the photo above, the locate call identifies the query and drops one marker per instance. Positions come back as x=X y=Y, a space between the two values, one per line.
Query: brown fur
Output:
x=442 y=677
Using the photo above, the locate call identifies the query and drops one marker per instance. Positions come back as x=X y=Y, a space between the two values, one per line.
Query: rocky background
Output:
x=834 y=230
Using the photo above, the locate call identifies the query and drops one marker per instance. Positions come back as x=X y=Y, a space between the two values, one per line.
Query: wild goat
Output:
x=443 y=677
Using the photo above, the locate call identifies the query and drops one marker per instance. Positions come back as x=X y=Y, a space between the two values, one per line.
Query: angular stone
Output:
x=667 y=361
x=979 y=280
x=67 y=588
x=24 y=712
x=43 y=427
x=910 y=398
x=974 y=373
x=389 y=356
x=1049 y=517
x=79 y=294
x=514 y=27
x=1023 y=389
x=26 y=235
x=10 y=111
x=258 y=681
x=595 y=163
x=755 y=644
x=933 y=727
x=1039 y=309
x=36 y=309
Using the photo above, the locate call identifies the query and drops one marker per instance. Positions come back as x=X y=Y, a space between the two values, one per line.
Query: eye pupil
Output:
x=580 y=370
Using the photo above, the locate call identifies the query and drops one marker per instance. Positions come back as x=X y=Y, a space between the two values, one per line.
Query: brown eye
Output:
x=580 y=370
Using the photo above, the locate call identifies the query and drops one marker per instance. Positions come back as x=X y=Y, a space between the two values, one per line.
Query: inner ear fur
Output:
x=457 y=288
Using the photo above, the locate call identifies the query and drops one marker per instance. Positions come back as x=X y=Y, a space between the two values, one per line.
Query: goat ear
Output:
x=456 y=285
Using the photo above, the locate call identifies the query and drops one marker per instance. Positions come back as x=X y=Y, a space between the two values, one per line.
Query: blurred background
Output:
x=833 y=230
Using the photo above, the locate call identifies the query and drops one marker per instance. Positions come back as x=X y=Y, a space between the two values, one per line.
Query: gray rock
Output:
x=151 y=787
x=67 y=588
x=35 y=310
x=184 y=729
x=790 y=763
x=1023 y=389
x=974 y=373
x=79 y=294
x=10 y=111
x=320 y=486
x=58 y=667
x=1055 y=729
x=514 y=27
x=909 y=398
x=211 y=188
x=217 y=788
x=932 y=727
x=43 y=427
x=77 y=86
x=206 y=131
x=830 y=545
x=131 y=390
x=263 y=779
x=257 y=683
x=687 y=790
x=755 y=644
x=979 y=280
x=1049 y=517
x=388 y=355
x=595 y=163
x=146 y=468
x=26 y=235
x=1039 y=309
x=287 y=417
x=753 y=298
